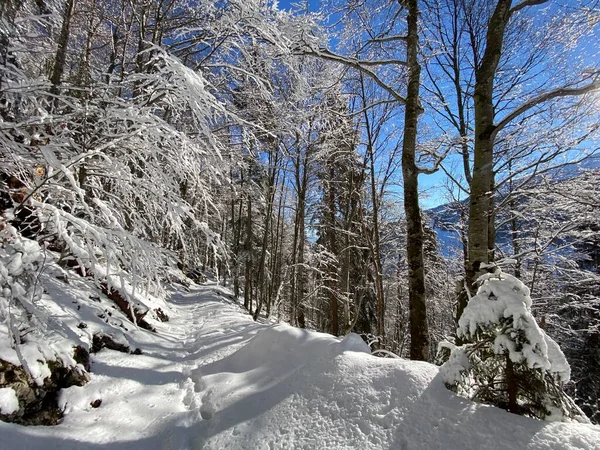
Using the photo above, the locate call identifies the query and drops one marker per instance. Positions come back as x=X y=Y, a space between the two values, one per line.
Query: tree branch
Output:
x=527 y=3
x=387 y=39
x=358 y=65
x=546 y=96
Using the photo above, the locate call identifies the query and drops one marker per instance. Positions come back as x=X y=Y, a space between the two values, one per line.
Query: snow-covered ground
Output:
x=212 y=378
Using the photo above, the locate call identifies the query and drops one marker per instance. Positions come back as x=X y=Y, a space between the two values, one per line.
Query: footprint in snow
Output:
x=187 y=370
x=189 y=398
x=207 y=410
x=199 y=383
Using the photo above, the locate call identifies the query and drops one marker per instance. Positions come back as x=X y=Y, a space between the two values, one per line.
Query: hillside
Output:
x=212 y=378
x=445 y=219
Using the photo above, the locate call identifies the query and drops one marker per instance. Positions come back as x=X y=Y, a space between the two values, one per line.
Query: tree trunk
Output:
x=61 y=52
x=237 y=226
x=8 y=13
x=332 y=273
x=514 y=226
x=267 y=231
x=248 y=251
x=419 y=346
x=511 y=386
x=297 y=282
x=480 y=201
x=276 y=261
x=375 y=247
x=300 y=317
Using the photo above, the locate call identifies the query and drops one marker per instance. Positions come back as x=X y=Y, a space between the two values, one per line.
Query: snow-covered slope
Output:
x=214 y=379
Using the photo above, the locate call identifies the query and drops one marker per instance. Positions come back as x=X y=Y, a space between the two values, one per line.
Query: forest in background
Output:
x=281 y=152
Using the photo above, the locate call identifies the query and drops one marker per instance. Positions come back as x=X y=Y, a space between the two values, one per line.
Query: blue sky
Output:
x=430 y=184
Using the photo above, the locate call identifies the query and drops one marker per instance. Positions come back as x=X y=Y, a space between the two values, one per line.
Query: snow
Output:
x=8 y=401
x=7 y=353
x=213 y=378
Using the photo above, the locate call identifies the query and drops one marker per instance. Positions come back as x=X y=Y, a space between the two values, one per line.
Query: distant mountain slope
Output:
x=445 y=219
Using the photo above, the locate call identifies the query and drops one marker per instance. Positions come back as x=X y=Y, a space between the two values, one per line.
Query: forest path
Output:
x=149 y=401
x=210 y=327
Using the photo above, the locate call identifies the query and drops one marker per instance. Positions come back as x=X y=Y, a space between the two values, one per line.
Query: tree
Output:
x=557 y=241
x=419 y=335
x=487 y=127
x=491 y=58
x=510 y=362
x=378 y=136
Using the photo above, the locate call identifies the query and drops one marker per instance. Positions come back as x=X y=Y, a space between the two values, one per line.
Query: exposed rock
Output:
x=135 y=313
x=82 y=356
x=101 y=340
x=161 y=315
x=63 y=277
x=38 y=404
x=195 y=275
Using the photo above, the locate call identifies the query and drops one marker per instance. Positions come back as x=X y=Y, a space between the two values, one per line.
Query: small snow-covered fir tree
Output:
x=509 y=361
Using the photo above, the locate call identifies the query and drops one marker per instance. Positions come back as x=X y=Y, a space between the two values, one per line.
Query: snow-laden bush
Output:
x=121 y=188
x=20 y=263
x=508 y=360
x=36 y=358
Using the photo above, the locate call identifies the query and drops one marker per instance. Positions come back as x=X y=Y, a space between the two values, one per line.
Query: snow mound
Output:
x=304 y=389
x=9 y=403
x=284 y=345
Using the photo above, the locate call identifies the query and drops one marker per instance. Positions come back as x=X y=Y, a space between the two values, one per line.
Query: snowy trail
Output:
x=212 y=378
x=150 y=400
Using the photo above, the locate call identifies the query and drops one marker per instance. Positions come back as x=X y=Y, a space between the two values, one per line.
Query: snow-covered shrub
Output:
x=123 y=193
x=20 y=262
x=508 y=360
x=35 y=360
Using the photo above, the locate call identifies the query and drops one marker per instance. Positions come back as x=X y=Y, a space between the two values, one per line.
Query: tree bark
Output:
x=419 y=334
x=276 y=261
x=375 y=247
x=266 y=234
x=297 y=282
x=61 y=52
x=481 y=235
x=8 y=12
x=330 y=232
x=512 y=386
x=248 y=251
